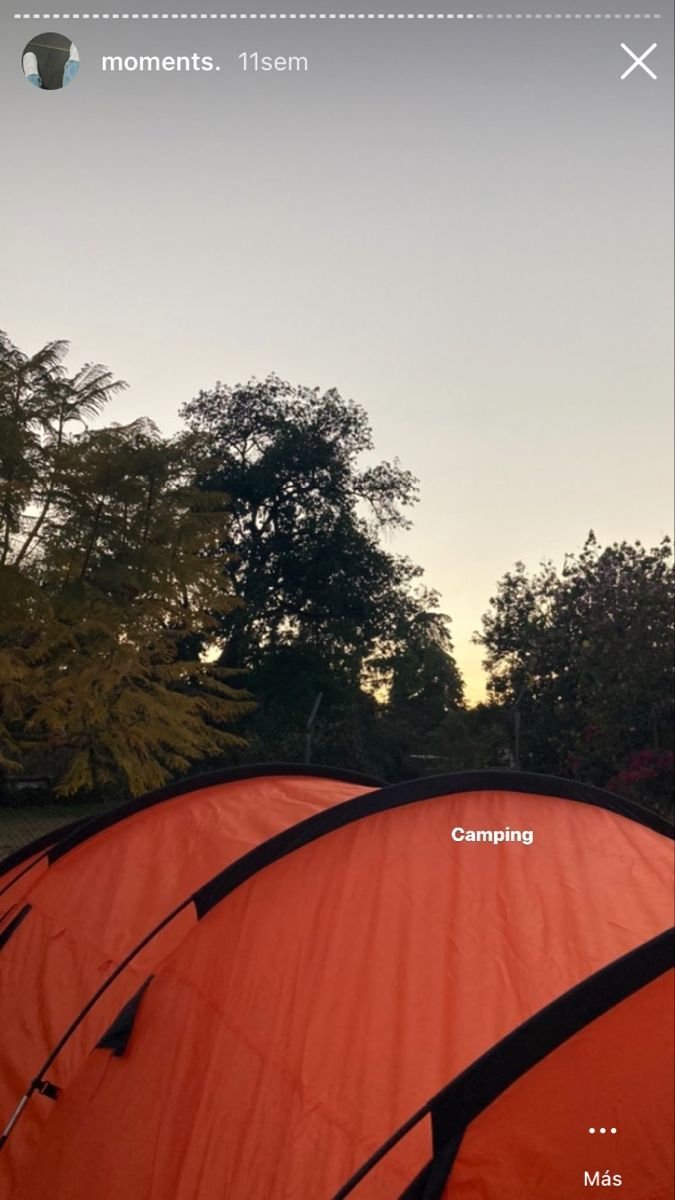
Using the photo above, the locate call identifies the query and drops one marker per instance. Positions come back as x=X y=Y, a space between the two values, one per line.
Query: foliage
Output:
x=39 y=405
x=287 y=685
x=305 y=556
x=647 y=778
x=425 y=682
x=585 y=655
x=326 y=609
x=139 y=574
x=419 y=725
x=111 y=558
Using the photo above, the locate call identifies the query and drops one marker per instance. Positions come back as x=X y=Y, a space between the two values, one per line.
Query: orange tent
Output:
x=537 y=1095
x=380 y=1001
x=19 y=862
x=73 y=905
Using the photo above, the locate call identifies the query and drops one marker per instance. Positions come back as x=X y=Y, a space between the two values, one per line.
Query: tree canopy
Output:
x=111 y=557
x=306 y=517
x=154 y=591
x=585 y=655
x=326 y=609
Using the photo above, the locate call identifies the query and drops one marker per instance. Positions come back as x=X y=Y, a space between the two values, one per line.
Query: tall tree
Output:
x=425 y=681
x=113 y=559
x=326 y=608
x=418 y=728
x=585 y=656
x=306 y=559
x=39 y=406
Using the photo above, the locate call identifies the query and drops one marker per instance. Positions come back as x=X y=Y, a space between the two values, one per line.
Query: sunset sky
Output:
x=465 y=225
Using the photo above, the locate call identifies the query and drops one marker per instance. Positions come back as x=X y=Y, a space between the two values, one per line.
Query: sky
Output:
x=465 y=224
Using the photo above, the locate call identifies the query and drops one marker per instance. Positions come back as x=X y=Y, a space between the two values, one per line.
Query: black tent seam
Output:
x=196 y=783
x=415 y=1190
x=466 y=1096
x=13 y=925
x=432 y=1179
x=399 y=795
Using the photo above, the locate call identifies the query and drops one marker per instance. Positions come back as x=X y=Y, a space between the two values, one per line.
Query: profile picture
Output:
x=50 y=61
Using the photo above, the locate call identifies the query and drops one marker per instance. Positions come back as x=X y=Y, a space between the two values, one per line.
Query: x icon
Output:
x=639 y=60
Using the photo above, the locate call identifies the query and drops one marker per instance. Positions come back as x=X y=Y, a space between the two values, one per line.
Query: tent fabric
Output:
x=17 y=865
x=19 y=860
x=518 y=1097
x=94 y=894
x=545 y=1122
x=16 y=871
x=330 y=980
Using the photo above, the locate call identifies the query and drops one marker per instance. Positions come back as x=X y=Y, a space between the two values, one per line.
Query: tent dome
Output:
x=425 y=990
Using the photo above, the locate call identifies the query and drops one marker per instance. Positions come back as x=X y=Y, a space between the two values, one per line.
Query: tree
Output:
x=303 y=547
x=287 y=684
x=425 y=681
x=417 y=725
x=325 y=607
x=112 y=560
x=585 y=654
x=39 y=404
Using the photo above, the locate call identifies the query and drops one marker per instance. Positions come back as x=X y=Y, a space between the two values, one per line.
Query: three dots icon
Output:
x=602 y=1129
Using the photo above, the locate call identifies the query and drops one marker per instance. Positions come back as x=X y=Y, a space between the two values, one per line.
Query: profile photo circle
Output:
x=50 y=61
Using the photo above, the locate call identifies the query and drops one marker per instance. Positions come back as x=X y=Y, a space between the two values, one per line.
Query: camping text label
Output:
x=526 y=836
